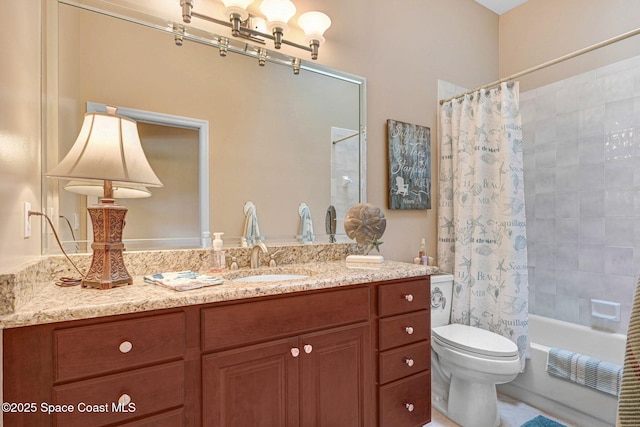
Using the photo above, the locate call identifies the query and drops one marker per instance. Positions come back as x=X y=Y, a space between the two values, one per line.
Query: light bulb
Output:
x=278 y=11
x=237 y=7
x=314 y=24
x=243 y=4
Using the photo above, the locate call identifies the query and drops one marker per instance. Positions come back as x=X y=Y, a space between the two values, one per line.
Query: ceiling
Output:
x=500 y=6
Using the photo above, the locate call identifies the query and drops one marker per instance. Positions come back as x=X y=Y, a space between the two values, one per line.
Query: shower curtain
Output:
x=481 y=215
x=629 y=398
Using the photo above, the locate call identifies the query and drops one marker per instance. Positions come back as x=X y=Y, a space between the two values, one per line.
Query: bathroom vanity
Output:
x=347 y=347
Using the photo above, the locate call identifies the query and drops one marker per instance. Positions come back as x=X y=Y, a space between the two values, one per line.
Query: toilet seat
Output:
x=475 y=341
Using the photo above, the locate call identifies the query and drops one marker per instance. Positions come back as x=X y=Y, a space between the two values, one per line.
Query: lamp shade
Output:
x=314 y=24
x=237 y=6
x=107 y=148
x=121 y=190
x=278 y=12
x=243 y=4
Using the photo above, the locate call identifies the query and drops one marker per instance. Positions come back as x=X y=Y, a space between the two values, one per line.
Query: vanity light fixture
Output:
x=278 y=14
x=314 y=24
x=178 y=31
x=236 y=10
x=262 y=56
x=107 y=151
x=223 y=46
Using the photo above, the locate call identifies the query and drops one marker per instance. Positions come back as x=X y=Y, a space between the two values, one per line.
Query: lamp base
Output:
x=107 y=265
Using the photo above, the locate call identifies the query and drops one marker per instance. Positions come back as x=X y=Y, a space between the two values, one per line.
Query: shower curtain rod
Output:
x=550 y=63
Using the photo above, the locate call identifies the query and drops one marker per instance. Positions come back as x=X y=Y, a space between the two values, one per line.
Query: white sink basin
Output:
x=270 y=277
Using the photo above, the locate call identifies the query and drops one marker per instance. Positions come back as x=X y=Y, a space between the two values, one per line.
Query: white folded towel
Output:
x=364 y=261
x=182 y=280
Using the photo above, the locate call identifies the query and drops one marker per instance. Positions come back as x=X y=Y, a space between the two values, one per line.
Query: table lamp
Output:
x=107 y=150
x=121 y=190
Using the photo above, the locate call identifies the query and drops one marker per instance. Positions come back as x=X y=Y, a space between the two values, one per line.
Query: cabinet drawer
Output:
x=407 y=402
x=403 y=297
x=173 y=418
x=150 y=390
x=93 y=350
x=404 y=361
x=404 y=329
x=262 y=320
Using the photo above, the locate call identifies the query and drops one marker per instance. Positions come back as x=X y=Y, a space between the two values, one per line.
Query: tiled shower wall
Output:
x=582 y=189
x=345 y=174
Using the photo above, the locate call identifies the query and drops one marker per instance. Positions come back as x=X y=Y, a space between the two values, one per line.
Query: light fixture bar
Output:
x=248 y=31
x=224 y=43
x=243 y=32
x=200 y=36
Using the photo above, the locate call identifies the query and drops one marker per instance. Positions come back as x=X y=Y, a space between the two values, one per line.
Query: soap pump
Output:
x=424 y=259
x=218 y=262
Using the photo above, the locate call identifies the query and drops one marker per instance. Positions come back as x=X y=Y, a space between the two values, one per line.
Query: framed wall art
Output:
x=409 y=165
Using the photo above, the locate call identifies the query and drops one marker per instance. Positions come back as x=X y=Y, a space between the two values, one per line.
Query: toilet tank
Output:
x=441 y=293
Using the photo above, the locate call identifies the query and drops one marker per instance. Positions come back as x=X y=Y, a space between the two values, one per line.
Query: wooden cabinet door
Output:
x=335 y=369
x=252 y=386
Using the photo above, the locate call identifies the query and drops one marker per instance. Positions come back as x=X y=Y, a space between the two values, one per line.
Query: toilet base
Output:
x=473 y=404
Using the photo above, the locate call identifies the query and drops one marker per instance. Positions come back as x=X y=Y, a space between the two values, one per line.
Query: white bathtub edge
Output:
x=583 y=406
x=551 y=407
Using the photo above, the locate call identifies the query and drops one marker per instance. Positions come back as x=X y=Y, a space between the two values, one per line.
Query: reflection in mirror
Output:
x=251 y=231
x=272 y=134
x=175 y=146
x=306 y=225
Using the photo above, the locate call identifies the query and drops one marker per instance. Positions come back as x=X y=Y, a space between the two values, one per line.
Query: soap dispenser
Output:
x=424 y=259
x=218 y=262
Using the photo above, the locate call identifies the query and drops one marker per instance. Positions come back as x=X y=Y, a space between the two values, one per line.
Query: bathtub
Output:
x=583 y=406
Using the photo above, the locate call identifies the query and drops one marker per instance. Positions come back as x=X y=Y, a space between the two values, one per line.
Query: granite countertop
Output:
x=50 y=303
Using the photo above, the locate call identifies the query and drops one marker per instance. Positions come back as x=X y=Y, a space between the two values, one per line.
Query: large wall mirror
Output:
x=274 y=138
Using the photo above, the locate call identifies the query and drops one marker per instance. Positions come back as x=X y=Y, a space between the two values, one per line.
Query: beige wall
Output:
x=19 y=129
x=543 y=30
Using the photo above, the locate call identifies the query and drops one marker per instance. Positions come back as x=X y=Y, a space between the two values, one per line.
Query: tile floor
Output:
x=512 y=414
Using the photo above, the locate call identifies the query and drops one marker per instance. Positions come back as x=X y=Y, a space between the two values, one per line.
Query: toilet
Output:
x=466 y=363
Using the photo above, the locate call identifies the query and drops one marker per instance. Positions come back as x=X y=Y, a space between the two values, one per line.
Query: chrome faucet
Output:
x=255 y=255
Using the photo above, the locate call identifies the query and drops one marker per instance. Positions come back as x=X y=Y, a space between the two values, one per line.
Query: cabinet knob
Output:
x=409 y=330
x=408 y=297
x=125 y=347
x=125 y=399
x=408 y=361
x=308 y=348
x=409 y=407
x=295 y=351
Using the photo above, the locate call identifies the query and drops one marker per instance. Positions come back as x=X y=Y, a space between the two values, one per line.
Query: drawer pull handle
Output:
x=409 y=407
x=125 y=399
x=408 y=361
x=408 y=297
x=125 y=347
x=409 y=330
x=308 y=348
x=295 y=351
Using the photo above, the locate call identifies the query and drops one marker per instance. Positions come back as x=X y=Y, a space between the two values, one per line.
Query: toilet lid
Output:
x=475 y=340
